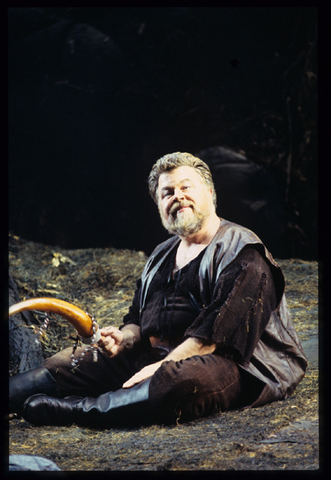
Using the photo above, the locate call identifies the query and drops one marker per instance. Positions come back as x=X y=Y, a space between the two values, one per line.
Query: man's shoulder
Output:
x=166 y=245
x=233 y=231
x=231 y=240
x=157 y=257
x=160 y=253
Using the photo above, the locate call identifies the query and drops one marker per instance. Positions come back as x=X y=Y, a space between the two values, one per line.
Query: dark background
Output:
x=96 y=95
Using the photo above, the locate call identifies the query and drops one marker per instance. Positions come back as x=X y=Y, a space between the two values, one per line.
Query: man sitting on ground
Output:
x=208 y=330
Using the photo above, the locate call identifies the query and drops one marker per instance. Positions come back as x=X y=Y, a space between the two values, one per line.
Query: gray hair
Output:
x=178 y=159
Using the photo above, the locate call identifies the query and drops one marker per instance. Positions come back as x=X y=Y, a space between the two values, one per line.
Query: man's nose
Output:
x=178 y=194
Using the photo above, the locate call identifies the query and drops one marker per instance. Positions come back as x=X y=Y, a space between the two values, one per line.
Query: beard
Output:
x=183 y=224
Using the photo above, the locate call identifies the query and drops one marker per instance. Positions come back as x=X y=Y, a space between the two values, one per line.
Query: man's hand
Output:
x=114 y=341
x=144 y=373
x=191 y=346
x=111 y=341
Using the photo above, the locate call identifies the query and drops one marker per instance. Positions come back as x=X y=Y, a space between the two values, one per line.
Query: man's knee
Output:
x=194 y=387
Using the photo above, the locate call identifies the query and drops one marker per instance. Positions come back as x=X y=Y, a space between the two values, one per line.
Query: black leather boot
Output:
x=25 y=384
x=126 y=407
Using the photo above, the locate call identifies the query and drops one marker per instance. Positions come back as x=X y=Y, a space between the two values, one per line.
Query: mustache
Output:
x=177 y=206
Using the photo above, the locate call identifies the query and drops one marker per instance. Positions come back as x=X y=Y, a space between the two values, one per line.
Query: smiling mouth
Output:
x=178 y=208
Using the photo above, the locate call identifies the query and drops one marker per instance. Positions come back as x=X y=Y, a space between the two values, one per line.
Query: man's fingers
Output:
x=107 y=331
x=109 y=342
x=136 y=378
x=144 y=373
x=112 y=332
x=111 y=337
x=130 y=383
x=106 y=344
x=117 y=335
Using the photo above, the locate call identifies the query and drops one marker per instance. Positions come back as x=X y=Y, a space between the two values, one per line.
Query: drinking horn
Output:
x=80 y=320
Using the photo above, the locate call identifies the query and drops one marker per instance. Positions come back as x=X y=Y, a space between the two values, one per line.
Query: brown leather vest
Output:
x=278 y=360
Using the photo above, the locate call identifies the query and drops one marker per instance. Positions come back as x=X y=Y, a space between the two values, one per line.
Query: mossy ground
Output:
x=281 y=436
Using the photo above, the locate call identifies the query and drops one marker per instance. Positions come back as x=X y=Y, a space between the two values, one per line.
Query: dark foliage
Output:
x=96 y=95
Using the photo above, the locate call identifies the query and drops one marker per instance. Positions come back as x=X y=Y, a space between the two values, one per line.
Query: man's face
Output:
x=184 y=200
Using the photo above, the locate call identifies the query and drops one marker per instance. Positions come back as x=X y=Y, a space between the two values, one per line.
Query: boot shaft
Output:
x=25 y=384
x=129 y=407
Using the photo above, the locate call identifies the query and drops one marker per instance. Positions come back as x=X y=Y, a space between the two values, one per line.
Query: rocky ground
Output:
x=280 y=436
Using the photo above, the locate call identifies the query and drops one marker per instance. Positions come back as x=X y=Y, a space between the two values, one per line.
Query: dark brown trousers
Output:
x=180 y=391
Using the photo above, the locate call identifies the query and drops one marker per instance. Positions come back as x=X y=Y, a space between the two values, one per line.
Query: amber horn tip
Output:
x=80 y=320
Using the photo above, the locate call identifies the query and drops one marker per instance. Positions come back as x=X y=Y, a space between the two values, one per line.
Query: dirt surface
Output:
x=281 y=436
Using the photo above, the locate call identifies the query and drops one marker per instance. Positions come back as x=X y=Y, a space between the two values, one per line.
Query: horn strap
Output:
x=80 y=320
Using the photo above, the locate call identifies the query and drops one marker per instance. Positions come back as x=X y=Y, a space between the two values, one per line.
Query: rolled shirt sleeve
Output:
x=243 y=300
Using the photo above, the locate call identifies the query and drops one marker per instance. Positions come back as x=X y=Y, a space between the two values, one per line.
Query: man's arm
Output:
x=191 y=346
